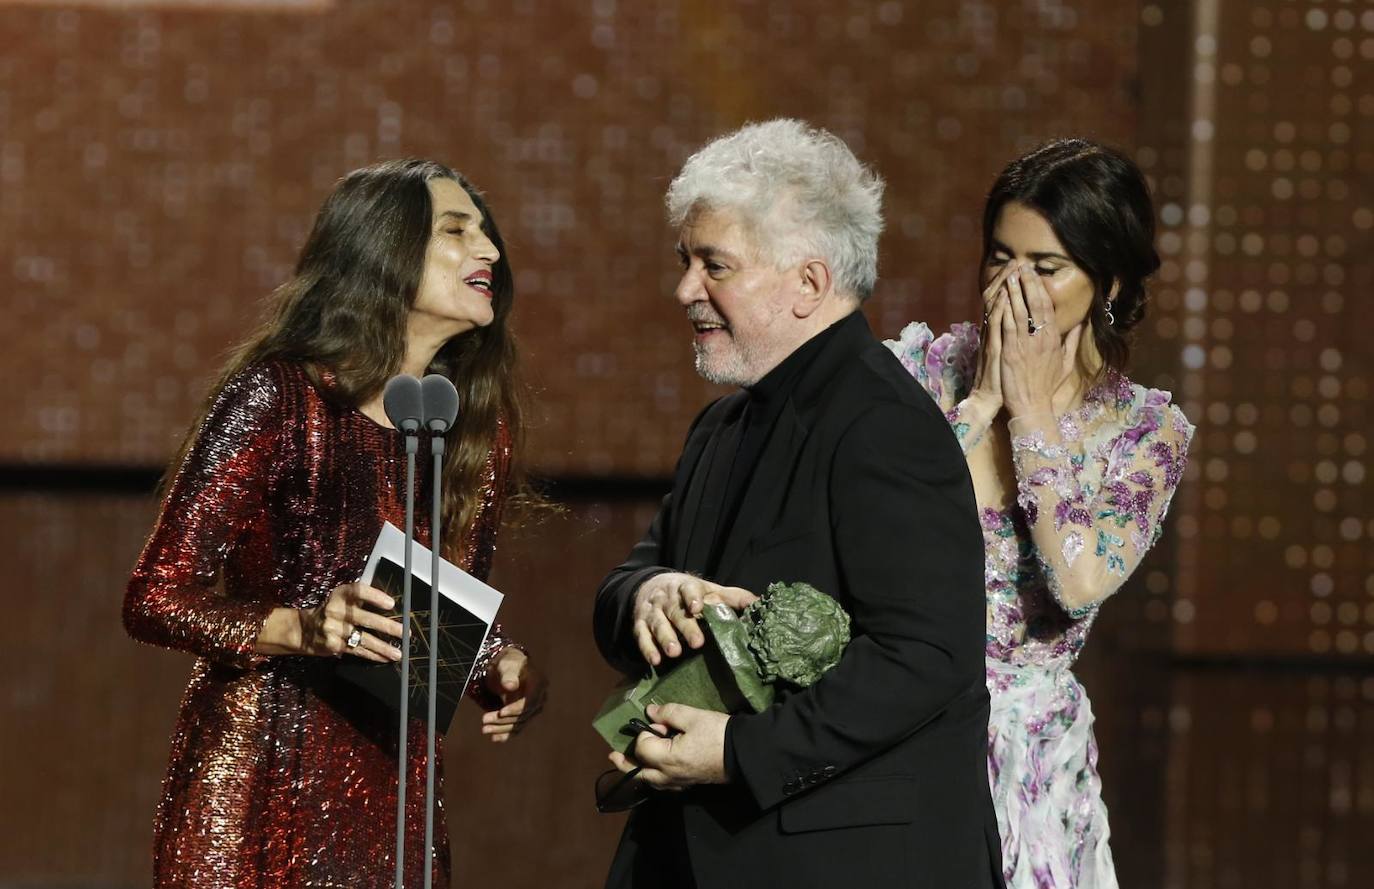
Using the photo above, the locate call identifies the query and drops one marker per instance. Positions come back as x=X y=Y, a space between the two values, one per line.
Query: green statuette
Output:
x=796 y=633
x=784 y=640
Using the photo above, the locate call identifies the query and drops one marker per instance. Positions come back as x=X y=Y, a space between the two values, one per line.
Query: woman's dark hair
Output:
x=1096 y=200
x=345 y=310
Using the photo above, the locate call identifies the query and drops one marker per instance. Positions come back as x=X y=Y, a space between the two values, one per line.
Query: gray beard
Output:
x=721 y=376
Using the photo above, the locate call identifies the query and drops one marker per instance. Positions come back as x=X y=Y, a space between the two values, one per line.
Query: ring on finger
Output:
x=1033 y=327
x=355 y=638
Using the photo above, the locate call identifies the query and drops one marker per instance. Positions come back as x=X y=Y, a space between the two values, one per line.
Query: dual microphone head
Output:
x=413 y=405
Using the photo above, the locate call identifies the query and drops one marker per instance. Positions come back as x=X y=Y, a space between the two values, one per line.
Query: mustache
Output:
x=698 y=314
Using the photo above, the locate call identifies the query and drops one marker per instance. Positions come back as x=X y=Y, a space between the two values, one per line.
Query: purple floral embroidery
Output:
x=957 y=352
x=1171 y=460
x=1071 y=512
x=945 y=367
x=911 y=350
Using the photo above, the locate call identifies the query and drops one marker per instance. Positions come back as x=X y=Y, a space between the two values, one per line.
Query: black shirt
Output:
x=750 y=431
x=745 y=437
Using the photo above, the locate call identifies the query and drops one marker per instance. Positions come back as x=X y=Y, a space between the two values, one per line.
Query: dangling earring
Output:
x=1111 y=319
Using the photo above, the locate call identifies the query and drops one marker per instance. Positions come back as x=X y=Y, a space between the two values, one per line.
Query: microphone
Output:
x=440 y=403
x=403 y=401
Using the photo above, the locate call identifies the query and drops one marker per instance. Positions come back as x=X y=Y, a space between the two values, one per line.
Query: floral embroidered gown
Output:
x=1098 y=490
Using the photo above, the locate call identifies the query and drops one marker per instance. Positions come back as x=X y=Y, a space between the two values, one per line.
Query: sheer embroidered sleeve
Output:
x=1088 y=541
x=945 y=367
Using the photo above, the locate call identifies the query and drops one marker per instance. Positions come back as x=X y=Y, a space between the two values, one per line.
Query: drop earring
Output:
x=1111 y=319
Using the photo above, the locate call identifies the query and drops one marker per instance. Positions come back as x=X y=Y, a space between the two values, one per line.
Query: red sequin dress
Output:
x=280 y=776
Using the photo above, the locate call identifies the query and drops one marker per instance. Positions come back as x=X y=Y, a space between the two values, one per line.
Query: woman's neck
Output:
x=1068 y=395
x=420 y=352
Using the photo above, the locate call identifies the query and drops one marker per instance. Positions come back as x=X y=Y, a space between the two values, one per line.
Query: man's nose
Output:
x=689 y=289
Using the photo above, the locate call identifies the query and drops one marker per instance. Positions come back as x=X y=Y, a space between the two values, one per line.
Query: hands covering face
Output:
x=1023 y=359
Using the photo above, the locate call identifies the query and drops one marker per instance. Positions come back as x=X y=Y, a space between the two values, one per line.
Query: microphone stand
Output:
x=403 y=401
x=437 y=448
x=441 y=409
x=412 y=445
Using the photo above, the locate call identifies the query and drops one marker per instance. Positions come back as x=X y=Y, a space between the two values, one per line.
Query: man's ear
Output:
x=814 y=285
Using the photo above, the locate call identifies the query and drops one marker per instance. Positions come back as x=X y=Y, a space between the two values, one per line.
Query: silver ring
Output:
x=355 y=638
x=1034 y=328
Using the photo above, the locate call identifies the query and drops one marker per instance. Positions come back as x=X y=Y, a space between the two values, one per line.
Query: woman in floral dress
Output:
x=1073 y=466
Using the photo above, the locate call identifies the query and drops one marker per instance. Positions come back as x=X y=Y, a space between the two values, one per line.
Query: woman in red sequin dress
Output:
x=280 y=776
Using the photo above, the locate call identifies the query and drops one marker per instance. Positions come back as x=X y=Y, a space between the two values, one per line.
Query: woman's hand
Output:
x=987 y=382
x=325 y=629
x=1034 y=360
x=522 y=690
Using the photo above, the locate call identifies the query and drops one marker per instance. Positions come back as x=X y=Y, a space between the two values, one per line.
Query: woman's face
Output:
x=455 y=293
x=1022 y=235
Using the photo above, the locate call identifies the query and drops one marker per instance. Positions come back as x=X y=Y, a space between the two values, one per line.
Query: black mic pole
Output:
x=404 y=405
x=440 y=400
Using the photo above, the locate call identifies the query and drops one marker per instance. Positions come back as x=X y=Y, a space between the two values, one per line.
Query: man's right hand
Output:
x=667 y=607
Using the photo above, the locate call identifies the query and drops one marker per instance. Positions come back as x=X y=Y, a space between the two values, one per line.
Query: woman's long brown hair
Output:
x=345 y=309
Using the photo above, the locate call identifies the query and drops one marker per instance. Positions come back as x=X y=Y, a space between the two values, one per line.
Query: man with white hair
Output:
x=832 y=467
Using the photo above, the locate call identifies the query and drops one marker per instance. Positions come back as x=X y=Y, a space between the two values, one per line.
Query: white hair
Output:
x=800 y=189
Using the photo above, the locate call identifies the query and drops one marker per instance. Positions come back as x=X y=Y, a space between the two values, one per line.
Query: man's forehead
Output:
x=715 y=229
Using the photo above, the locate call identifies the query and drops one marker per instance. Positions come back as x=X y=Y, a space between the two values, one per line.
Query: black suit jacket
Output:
x=876 y=775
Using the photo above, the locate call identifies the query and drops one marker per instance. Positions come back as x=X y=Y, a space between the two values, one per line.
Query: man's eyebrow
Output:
x=705 y=251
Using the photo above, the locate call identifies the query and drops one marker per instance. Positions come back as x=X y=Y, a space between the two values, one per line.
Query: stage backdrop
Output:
x=160 y=168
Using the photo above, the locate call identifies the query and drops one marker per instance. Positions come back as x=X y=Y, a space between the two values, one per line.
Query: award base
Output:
x=722 y=676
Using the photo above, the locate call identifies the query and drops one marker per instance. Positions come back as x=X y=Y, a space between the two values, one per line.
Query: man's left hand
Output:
x=695 y=755
x=521 y=689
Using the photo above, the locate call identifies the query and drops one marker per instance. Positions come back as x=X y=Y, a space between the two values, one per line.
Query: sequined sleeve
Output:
x=218 y=490
x=1088 y=541
x=945 y=367
x=482 y=547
